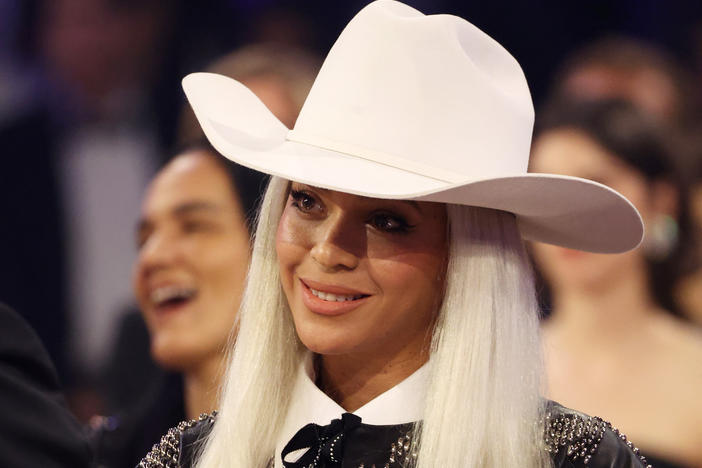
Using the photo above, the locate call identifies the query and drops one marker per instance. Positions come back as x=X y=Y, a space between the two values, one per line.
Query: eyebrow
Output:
x=194 y=206
x=411 y=203
x=181 y=210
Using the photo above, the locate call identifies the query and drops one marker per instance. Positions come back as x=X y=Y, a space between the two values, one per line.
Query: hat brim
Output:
x=561 y=210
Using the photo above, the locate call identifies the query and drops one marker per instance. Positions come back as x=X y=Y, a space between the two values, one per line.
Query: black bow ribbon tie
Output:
x=325 y=444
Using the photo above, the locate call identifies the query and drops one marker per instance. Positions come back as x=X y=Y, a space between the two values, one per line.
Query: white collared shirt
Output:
x=403 y=403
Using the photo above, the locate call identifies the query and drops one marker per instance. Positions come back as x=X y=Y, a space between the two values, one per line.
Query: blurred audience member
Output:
x=76 y=161
x=279 y=75
x=104 y=51
x=19 y=84
x=688 y=291
x=284 y=24
x=36 y=427
x=654 y=81
x=193 y=257
x=101 y=55
x=612 y=345
x=621 y=67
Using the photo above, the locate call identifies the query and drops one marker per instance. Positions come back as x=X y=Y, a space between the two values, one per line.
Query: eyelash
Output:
x=403 y=227
x=299 y=198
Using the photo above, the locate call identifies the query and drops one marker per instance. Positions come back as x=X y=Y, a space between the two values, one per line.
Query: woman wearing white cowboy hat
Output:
x=389 y=316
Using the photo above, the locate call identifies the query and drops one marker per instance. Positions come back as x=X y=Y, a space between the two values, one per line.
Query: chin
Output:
x=324 y=350
x=325 y=346
x=170 y=354
x=325 y=342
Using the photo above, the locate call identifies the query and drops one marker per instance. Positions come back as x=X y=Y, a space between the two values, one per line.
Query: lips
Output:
x=330 y=299
x=170 y=297
x=335 y=297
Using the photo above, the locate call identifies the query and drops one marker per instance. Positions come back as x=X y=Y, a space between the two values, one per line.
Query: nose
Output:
x=158 y=252
x=338 y=246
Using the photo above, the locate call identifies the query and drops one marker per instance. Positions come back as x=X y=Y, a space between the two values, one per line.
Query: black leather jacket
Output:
x=572 y=439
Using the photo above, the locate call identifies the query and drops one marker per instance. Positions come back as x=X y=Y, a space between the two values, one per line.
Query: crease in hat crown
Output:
x=432 y=95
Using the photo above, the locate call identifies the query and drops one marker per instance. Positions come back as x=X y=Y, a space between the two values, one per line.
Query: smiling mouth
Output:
x=318 y=298
x=171 y=296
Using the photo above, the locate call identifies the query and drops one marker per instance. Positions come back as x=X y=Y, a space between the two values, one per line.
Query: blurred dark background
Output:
x=90 y=101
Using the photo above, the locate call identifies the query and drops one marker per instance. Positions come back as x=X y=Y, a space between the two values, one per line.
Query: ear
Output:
x=665 y=198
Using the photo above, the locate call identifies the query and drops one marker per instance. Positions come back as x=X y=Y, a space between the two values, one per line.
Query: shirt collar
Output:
x=403 y=403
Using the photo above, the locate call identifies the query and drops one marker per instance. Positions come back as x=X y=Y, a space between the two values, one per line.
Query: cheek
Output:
x=138 y=283
x=215 y=255
x=217 y=264
x=221 y=280
x=555 y=262
x=140 y=293
x=399 y=272
x=293 y=230
x=566 y=267
x=291 y=245
x=410 y=282
x=545 y=257
x=226 y=266
x=636 y=190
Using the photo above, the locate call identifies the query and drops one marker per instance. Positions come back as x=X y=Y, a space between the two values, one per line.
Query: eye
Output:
x=387 y=222
x=143 y=234
x=304 y=201
x=141 y=239
x=193 y=226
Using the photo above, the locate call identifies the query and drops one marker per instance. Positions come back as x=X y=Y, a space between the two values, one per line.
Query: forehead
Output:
x=190 y=177
x=570 y=151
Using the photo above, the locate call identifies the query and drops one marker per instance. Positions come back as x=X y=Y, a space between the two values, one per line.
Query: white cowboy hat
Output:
x=409 y=106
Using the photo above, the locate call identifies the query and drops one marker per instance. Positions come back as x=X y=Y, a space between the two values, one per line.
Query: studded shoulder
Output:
x=579 y=439
x=167 y=453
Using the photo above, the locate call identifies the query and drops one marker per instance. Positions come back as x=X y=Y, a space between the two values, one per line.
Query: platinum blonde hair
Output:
x=483 y=407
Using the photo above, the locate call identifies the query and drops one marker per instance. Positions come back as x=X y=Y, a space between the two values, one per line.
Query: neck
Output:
x=605 y=313
x=201 y=387
x=354 y=380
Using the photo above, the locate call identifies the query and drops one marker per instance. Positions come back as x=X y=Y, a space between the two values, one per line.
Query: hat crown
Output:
x=428 y=94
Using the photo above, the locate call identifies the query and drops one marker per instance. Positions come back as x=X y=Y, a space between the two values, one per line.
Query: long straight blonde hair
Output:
x=483 y=407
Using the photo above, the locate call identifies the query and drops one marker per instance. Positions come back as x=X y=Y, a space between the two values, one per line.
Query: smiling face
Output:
x=361 y=275
x=193 y=258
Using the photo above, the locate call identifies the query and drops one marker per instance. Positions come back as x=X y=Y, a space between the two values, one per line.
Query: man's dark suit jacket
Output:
x=32 y=252
x=36 y=427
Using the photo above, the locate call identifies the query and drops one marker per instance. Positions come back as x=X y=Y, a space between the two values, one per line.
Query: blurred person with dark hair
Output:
x=36 y=427
x=281 y=77
x=194 y=249
x=654 y=81
x=612 y=342
x=205 y=268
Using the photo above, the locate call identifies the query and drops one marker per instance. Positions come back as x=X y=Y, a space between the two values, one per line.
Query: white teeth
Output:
x=333 y=297
x=167 y=293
